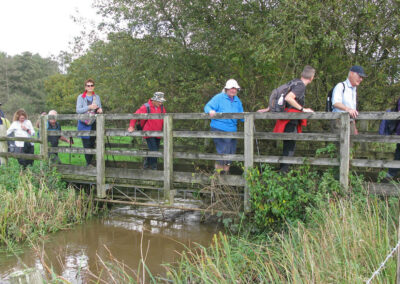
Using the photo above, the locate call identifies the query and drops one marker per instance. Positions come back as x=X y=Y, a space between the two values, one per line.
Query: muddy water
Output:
x=127 y=233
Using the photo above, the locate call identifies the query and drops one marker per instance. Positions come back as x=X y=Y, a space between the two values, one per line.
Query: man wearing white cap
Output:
x=225 y=102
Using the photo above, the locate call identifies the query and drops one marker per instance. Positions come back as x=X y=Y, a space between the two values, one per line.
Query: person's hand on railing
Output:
x=307 y=110
x=212 y=113
x=263 y=110
x=353 y=113
x=131 y=129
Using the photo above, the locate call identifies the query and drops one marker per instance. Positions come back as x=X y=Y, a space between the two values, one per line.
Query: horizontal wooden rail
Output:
x=21 y=156
x=370 y=138
x=25 y=139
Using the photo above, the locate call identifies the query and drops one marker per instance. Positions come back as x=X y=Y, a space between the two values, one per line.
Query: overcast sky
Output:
x=41 y=26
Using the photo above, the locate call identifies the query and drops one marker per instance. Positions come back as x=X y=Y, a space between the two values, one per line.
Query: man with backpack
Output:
x=294 y=100
x=344 y=97
x=154 y=105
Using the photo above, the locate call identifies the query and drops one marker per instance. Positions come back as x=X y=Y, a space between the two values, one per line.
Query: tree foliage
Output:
x=22 y=82
x=188 y=49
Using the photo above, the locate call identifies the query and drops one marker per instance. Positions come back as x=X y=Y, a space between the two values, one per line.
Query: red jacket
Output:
x=281 y=123
x=150 y=124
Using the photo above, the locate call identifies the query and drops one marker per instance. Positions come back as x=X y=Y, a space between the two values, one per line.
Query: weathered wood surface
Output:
x=374 y=163
x=71 y=133
x=43 y=134
x=33 y=140
x=168 y=160
x=248 y=155
x=135 y=203
x=384 y=189
x=267 y=115
x=344 y=151
x=72 y=150
x=297 y=136
x=100 y=161
x=21 y=156
x=125 y=133
x=375 y=138
x=81 y=171
x=196 y=116
x=208 y=134
x=297 y=160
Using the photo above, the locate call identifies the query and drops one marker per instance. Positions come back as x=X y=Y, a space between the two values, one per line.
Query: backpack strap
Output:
x=147 y=105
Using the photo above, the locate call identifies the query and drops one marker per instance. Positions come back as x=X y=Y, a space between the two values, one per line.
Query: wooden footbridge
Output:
x=171 y=180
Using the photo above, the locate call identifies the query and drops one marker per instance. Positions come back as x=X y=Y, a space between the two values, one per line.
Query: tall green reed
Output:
x=343 y=243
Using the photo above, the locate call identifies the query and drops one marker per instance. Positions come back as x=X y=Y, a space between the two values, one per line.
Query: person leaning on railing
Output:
x=88 y=103
x=295 y=101
x=154 y=105
x=225 y=102
x=344 y=98
x=53 y=125
x=22 y=127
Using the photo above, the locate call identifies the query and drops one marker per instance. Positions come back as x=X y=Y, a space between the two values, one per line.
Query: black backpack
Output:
x=140 y=123
x=277 y=101
x=328 y=105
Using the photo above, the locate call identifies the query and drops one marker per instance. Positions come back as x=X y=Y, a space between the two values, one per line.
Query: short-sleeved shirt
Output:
x=299 y=90
x=348 y=96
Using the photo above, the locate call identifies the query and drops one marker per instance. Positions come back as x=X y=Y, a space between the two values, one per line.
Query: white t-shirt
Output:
x=16 y=127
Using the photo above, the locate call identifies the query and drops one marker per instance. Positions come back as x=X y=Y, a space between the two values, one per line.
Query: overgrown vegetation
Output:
x=35 y=201
x=343 y=243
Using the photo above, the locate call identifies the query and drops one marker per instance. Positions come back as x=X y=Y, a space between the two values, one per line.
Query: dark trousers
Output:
x=393 y=172
x=154 y=144
x=289 y=145
x=27 y=149
x=89 y=143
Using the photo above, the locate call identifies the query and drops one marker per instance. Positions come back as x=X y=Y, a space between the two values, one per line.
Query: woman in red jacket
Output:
x=154 y=105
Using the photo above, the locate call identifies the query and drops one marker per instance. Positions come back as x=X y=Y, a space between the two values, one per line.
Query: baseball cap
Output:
x=359 y=70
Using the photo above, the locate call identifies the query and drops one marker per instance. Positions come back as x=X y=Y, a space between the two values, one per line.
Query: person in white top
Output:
x=22 y=127
x=344 y=97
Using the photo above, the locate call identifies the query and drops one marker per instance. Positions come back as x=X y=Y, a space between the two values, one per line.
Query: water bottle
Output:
x=280 y=101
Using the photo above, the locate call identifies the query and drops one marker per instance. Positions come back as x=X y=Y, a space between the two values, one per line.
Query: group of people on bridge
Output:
x=343 y=99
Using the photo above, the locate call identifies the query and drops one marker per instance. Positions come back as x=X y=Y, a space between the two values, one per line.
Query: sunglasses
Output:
x=89 y=86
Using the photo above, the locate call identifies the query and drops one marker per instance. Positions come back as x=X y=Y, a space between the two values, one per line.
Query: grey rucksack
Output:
x=277 y=101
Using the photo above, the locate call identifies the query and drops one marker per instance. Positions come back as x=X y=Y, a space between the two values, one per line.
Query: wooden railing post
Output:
x=344 y=150
x=100 y=157
x=169 y=193
x=248 y=154
x=44 y=147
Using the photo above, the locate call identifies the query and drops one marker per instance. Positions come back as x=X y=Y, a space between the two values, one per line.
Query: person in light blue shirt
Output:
x=225 y=102
x=344 y=96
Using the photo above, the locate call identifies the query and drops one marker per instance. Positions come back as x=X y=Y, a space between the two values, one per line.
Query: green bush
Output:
x=277 y=199
x=39 y=173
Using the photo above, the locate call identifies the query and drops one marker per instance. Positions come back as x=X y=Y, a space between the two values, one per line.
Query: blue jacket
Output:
x=221 y=103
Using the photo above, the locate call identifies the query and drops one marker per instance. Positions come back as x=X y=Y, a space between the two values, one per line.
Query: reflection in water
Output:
x=71 y=253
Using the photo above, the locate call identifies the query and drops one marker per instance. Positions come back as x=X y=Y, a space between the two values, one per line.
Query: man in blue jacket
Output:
x=225 y=102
